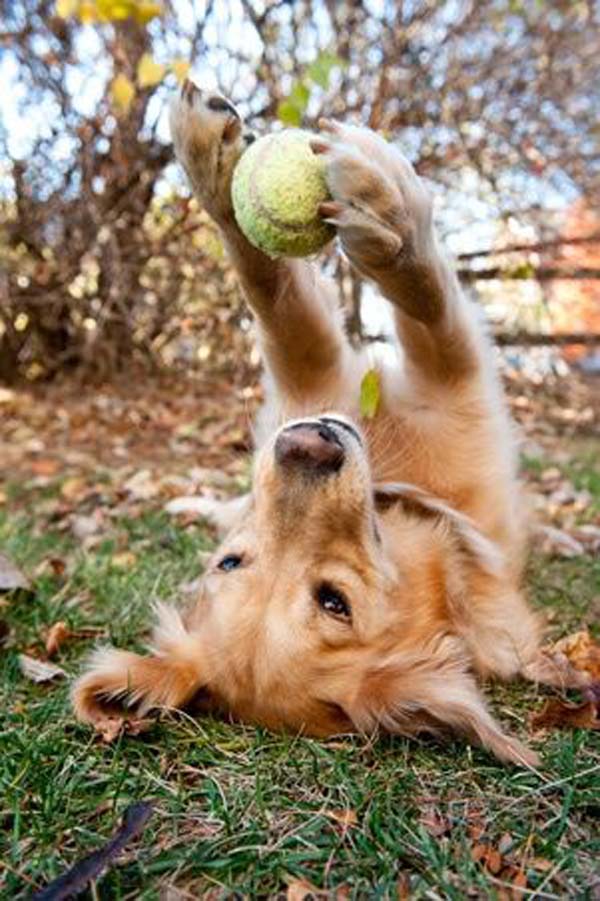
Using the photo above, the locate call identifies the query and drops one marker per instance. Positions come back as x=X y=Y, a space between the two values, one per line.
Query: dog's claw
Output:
x=330 y=209
x=188 y=89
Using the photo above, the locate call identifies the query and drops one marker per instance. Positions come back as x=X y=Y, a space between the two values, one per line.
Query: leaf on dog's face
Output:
x=560 y=714
x=370 y=394
x=11 y=577
x=39 y=670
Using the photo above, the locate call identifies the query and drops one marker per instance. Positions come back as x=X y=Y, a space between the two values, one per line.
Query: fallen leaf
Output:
x=85 y=526
x=78 y=877
x=434 y=822
x=45 y=467
x=123 y=560
x=4 y=631
x=58 y=566
x=541 y=864
x=403 y=887
x=57 y=635
x=582 y=652
x=11 y=577
x=564 y=715
x=299 y=889
x=109 y=728
x=520 y=880
x=489 y=856
x=556 y=542
x=39 y=670
x=345 y=818
x=73 y=489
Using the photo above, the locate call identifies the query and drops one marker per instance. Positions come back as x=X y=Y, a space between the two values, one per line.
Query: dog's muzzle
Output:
x=310 y=447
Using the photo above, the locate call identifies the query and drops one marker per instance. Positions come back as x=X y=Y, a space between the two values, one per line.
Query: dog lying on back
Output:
x=374 y=569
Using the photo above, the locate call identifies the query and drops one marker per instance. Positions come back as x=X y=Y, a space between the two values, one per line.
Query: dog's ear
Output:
x=469 y=540
x=434 y=693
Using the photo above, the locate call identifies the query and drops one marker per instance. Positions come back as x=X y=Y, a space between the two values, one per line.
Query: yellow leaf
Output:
x=87 y=12
x=146 y=10
x=66 y=8
x=370 y=394
x=180 y=69
x=114 y=10
x=149 y=72
x=122 y=93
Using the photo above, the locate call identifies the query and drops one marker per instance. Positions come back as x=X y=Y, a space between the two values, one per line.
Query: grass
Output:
x=241 y=812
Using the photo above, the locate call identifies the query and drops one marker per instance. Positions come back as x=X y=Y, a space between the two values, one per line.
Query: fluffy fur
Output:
x=421 y=529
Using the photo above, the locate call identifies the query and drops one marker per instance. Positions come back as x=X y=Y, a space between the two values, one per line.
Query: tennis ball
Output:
x=276 y=190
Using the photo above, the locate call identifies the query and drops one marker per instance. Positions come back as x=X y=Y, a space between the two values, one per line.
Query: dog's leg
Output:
x=299 y=325
x=383 y=213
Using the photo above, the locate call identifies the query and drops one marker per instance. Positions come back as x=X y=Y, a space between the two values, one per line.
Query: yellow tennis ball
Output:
x=276 y=190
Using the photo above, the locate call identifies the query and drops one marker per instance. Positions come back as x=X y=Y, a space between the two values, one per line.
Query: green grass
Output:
x=242 y=811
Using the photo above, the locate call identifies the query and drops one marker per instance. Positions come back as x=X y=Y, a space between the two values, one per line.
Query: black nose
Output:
x=309 y=446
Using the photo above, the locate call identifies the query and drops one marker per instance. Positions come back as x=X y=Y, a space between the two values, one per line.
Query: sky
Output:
x=467 y=216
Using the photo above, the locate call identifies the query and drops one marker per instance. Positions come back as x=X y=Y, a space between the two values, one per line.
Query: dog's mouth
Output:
x=315 y=446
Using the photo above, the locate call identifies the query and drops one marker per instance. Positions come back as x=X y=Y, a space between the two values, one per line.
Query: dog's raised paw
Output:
x=209 y=137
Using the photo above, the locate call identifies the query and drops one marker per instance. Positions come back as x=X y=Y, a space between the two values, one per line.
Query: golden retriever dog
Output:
x=373 y=572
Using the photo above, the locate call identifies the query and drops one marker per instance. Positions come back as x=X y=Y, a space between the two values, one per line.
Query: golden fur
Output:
x=421 y=529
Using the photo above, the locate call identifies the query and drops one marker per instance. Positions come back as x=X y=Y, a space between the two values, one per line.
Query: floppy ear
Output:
x=409 y=694
x=121 y=682
x=471 y=542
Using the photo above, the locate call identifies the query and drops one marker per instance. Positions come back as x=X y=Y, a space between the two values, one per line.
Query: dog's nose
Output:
x=309 y=446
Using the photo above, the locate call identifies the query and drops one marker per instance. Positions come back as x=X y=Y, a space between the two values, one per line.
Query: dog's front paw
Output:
x=209 y=137
x=380 y=208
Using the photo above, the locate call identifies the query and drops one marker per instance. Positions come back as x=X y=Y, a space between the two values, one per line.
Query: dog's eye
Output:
x=332 y=601
x=231 y=561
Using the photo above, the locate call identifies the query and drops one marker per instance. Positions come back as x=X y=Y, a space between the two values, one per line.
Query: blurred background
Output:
x=109 y=267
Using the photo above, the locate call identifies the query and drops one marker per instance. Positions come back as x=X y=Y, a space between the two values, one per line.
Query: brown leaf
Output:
x=58 y=566
x=556 y=542
x=300 y=889
x=45 y=467
x=109 y=728
x=520 y=880
x=345 y=818
x=434 y=822
x=487 y=855
x=505 y=843
x=123 y=560
x=403 y=887
x=541 y=864
x=581 y=651
x=564 y=715
x=493 y=861
x=39 y=670
x=57 y=635
x=73 y=489
x=11 y=577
